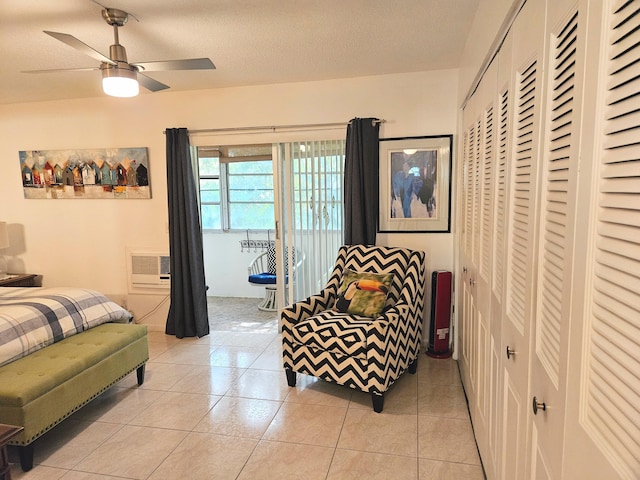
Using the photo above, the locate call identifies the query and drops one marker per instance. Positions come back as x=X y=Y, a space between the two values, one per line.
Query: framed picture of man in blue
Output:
x=415 y=184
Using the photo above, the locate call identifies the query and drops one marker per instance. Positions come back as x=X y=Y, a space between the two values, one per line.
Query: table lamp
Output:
x=4 y=243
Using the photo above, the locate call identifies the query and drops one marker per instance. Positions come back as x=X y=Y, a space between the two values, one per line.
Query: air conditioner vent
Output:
x=149 y=270
x=144 y=265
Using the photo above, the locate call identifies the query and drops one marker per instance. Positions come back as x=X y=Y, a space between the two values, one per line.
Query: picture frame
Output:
x=415 y=184
x=99 y=173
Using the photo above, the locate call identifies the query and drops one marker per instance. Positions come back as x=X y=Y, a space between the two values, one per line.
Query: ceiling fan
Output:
x=119 y=77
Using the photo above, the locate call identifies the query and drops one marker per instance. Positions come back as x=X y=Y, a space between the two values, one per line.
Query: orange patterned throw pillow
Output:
x=363 y=293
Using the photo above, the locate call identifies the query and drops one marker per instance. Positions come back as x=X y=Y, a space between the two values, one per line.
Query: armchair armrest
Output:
x=299 y=311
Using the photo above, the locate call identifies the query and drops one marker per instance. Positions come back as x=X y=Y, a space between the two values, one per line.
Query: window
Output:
x=236 y=187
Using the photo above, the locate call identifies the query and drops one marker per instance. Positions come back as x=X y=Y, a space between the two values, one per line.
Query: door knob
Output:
x=538 y=405
x=510 y=352
x=472 y=282
x=464 y=269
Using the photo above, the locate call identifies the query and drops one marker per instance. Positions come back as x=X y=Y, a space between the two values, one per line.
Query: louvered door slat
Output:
x=606 y=393
x=619 y=201
x=621 y=299
x=618 y=216
x=621 y=154
x=622 y=231
x=618 y=262
x=559 y=133
x=550 y=296
x=630 y=258
x=561 y=103
x=621 y=185
x=557 y=176
x=624 y=75
x=626 y=122
x=624 y=137
x=563 y=78
x=624 y=43
x=555 y=220
x=621 y=91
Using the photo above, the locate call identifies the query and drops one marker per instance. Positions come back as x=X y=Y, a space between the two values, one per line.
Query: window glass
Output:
x=211 y=217
x=251 y=195
x=236 y=187
x=209 y=166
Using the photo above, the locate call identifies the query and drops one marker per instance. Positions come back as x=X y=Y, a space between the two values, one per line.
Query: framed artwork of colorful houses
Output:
x=89 y=173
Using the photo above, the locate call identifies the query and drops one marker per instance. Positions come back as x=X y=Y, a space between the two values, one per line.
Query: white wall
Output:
x=82 y=242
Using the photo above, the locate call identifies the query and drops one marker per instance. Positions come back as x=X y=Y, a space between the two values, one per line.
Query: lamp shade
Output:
x=120 y=82
x=4 y=235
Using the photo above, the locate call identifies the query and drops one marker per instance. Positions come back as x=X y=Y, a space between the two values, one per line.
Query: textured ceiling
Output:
x=250 y=41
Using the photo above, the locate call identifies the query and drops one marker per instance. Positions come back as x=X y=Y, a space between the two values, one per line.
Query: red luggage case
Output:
x=440 y=322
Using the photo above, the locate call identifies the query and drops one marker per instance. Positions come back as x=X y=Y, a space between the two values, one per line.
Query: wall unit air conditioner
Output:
x=149 y=270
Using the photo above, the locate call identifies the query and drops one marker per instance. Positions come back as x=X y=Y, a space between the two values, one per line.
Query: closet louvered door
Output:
x=555 y=256
x=523 y=131
x=509 y=441
x=470 y=196
x=484 y=350
x=603 y=422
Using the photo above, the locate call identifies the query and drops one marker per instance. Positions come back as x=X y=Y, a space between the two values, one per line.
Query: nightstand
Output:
x=19 y=280
x=6 y=433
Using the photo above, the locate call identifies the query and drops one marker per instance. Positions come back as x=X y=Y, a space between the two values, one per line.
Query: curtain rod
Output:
x=275 y=127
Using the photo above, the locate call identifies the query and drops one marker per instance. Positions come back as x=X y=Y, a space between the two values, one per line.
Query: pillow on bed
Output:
x=32 y=318
x=363 y=293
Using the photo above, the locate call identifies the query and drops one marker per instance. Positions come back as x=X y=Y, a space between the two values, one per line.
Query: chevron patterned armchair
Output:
x=362 y=351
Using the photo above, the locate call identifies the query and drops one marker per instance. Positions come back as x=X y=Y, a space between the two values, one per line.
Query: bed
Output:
x=59 y=349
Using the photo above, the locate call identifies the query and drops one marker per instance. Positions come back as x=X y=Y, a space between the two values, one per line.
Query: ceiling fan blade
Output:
x=151 y=84
x=53 y=70
x=81 y=46
x=185 y=64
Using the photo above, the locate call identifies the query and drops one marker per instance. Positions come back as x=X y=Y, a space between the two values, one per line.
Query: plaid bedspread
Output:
x=32 y=318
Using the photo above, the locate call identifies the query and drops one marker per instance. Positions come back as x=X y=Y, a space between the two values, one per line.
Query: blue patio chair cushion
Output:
x=263 y=278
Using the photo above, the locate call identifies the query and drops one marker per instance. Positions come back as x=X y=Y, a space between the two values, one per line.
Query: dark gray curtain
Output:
x=188 y=316
x=361 y=181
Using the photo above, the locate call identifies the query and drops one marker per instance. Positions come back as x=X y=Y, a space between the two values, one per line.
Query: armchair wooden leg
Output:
x=378 y=402
x=291 y=377
x=413 y=366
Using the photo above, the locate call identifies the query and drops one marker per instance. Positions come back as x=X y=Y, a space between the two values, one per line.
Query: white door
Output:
x=469 y=250
x=602 y=437
x=488 y=328
x=564 y=74
x=525 y=92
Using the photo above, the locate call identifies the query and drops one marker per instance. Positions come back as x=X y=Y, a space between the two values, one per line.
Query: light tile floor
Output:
x=219 y=407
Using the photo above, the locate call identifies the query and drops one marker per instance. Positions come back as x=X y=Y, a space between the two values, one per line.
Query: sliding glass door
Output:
x=309 y=214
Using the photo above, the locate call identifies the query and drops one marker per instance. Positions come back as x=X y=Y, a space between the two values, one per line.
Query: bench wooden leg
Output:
x=25 y=452
x=140 y=373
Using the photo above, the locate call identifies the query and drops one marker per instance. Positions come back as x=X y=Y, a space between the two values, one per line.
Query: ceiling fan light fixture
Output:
x=120 y=82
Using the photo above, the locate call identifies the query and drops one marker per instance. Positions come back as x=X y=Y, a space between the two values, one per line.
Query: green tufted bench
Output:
x=40 y=390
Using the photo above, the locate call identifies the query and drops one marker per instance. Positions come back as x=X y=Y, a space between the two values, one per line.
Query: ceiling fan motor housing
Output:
x=117 y=53
x=115 y=17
